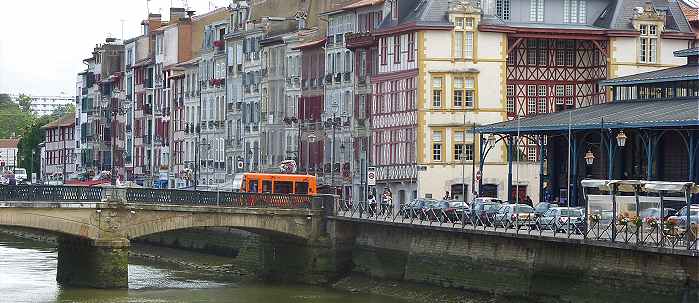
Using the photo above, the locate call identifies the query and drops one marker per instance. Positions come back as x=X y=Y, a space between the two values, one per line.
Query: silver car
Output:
x=562 y=218
x=514 y=215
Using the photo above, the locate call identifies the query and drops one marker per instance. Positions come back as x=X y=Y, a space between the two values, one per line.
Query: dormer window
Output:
x=574 y=11
x=463 y=37
x=394 y=9
x=536 y=10
x=648 y=43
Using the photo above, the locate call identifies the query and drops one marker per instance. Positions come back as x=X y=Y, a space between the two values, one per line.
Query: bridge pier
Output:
x=93 y=263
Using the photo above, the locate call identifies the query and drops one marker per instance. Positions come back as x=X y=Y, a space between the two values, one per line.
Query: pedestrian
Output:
x=528 y=201
x=447 y=196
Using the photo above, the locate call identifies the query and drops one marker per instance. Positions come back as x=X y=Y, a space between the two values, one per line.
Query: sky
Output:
x=43 y=42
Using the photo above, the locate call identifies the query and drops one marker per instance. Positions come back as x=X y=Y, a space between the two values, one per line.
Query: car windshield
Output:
x=571 y=213
x=490 y=206
x=524 y=209
x=542 y=206
x=457 y=204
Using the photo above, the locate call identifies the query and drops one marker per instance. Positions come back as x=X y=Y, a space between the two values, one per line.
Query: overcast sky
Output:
x=42 y=43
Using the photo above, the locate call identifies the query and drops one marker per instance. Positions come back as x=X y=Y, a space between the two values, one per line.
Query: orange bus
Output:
x=275 y=183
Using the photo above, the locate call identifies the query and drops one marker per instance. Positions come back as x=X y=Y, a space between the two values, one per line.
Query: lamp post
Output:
x=311 y=139
x=333 y=122
x=486 y=146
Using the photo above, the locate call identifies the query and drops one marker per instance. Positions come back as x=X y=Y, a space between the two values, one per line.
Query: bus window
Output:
x=266 y=186
x=302 y=188
x=253 y=186
x=283 y=187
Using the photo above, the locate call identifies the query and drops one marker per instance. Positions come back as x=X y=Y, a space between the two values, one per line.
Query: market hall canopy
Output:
x=617 y=114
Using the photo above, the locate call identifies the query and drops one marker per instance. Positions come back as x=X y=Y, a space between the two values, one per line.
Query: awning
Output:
x=616 y=115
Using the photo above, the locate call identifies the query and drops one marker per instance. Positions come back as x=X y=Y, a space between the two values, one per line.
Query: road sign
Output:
x=240 y=164
x=422 y=168
x=371 y=176
x=478 y=175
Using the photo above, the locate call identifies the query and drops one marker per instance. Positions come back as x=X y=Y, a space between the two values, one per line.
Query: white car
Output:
x=21 y=175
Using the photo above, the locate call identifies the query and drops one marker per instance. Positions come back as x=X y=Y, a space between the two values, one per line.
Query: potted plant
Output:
x=651 y=221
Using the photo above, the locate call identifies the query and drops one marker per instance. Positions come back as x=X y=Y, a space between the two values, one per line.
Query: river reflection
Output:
x=28 y=274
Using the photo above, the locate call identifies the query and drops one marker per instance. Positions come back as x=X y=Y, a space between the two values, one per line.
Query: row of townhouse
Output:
x=343 y=86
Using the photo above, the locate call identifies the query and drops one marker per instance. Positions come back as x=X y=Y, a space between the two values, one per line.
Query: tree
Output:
x=63 y=110
x=30 y=139
x=13 y=121
x=25 y=102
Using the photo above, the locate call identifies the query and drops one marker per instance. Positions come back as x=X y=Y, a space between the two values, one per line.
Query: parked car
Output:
x=542 y=208
x=484 y=200
x=562 y=218
x=456 y=211
x=482 y=213
x=654 y=212
x=681 y=216
x=514 y=215
x=414 y=208
x=21 y=175
x=435 y=210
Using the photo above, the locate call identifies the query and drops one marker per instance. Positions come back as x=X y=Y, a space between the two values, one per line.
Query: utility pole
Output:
x=473 y=164
x=332 y=157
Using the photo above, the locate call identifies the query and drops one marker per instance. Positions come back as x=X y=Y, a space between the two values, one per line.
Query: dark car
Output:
x=413 y=209
x=434 y=210
x=483 y=213
x=457 y=211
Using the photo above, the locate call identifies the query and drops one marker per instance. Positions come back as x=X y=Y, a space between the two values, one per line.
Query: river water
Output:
x=28 y=274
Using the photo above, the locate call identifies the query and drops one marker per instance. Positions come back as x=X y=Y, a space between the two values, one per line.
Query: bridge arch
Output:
x=78 y=223
x=292 y=223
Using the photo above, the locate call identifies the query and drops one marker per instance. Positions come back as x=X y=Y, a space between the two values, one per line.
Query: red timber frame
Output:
x=547 y=75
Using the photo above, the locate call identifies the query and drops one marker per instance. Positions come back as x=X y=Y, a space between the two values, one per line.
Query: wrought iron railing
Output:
x=45 y=193
x=658 y=234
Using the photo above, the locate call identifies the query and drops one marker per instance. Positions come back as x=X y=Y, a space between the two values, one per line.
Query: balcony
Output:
x=338 y=78
x=347 y=76
x=219 y=46
x=356 y=40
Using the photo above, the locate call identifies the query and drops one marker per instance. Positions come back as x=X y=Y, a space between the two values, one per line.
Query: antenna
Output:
x=122 y=29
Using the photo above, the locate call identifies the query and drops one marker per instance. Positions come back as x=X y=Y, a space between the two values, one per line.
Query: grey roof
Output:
x=680 y=73
x=687 y=52
x=420 y=12
x=623 y=12
x=620 y=114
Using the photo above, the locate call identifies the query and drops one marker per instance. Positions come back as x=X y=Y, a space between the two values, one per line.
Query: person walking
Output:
x=447 y=196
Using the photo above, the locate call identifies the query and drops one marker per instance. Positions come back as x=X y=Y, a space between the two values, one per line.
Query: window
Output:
x=648 y=43
x=437 y=92
x=384 y=50
x=463 y=37
x=510 y=105
x=411 y=47
x=502 y=9
x=302 y=188
x=574 y=11
x=396 y=49
x=437 y=146
x=464 y=92
x=283 y=187
x=536 y=10
x=458 y=151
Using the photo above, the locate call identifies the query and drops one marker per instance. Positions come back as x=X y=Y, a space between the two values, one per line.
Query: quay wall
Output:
x=514 y=266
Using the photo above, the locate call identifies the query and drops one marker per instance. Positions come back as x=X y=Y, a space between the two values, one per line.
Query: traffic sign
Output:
x=478 y=175
x=371 y=176
x=240 y=164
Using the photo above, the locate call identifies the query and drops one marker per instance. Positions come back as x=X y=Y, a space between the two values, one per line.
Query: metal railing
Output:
x=46 y=193
x=648 y=233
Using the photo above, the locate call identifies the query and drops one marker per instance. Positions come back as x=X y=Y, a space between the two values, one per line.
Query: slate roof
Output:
x=419 y=12
x=620 y=12
x=680 y=73
x=619 y=114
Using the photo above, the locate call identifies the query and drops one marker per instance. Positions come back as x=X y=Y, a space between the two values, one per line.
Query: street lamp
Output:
x=491 y=139
x=311 y=139
x=621 y=139
x=589 y=157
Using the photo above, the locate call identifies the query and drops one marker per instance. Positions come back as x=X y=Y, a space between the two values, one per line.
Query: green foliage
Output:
x=25 y=102
x=31 y=137
x=13 y=119
x=63 y=110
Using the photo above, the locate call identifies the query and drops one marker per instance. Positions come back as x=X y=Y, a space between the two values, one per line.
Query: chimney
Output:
x=154 y=22
x=176 y=14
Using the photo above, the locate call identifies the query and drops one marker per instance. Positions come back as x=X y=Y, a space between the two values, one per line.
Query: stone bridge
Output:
x=97 y=224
